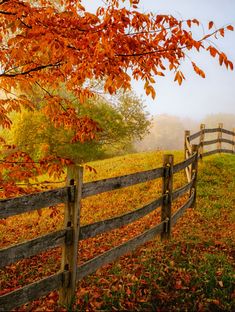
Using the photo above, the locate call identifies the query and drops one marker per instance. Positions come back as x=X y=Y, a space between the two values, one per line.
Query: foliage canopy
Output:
x=121 y=124
x=46 y=43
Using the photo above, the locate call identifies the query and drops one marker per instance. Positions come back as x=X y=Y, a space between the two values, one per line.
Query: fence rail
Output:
x=69 y=237
x=27 y=203
x=202 y=142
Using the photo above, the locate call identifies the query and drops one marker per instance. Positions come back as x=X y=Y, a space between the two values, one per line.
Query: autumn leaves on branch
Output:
x=53 y=43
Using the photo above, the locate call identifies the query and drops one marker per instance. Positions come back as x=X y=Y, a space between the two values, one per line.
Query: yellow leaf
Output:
x=221 y=284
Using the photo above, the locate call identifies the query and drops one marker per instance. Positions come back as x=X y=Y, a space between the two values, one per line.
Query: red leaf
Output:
x=210 y=25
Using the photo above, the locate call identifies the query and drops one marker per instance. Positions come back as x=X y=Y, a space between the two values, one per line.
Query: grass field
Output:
x=194 y=271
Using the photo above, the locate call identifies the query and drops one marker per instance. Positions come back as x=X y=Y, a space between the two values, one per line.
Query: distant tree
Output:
x=122 y=122
x=190 y=124
x=166 y=133
x=213 y=120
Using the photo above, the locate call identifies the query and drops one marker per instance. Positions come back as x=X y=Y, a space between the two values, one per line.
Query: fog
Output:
x=167 y=131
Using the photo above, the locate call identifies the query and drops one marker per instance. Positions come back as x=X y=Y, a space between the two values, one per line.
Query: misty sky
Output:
x=196 y=97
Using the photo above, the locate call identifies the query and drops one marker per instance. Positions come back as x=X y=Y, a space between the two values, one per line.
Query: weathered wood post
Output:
x=72 y=224
x=233 y=140
x=186 y=135
x=219 y=137
x=201 y=140
x=194 y=171
x=187 y=152
x=167 y=186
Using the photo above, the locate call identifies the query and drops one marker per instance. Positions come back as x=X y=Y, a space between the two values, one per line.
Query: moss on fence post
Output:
x=167 y=187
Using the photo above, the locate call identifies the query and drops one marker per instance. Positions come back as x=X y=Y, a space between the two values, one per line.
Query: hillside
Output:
x=194 y=271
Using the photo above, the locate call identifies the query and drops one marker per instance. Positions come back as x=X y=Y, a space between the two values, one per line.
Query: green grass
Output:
x=194 y=271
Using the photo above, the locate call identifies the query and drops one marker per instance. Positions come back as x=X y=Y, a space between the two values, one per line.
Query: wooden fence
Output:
x=65 y=280
x=201 y=136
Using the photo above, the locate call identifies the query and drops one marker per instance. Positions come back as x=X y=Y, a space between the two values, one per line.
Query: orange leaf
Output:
x=199 y=71
x=230 y=27
x=195 y=21
x=221 y=31
x=178 y=284
x=221 y=59
x=230 y=64
x=212 y=50
x=210 y=25
x=179 y=77
x=189 y=23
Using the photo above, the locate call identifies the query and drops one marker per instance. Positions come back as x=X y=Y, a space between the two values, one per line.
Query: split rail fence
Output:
x=201 y=136
x=65 y=280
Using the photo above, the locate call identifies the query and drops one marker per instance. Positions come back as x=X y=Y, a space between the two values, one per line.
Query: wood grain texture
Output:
x=96 y=228
x=201 y=139
x=181 y=210
x=226 y=151
x=113 y=254
x=188 y=146
x=100 y=186
x=223 y=150
x=217 y=141
x=167 y=188
x=32 y=247
x=194 y=173
x=70 y=249
x=227 y=141
x=227 y=131
x=194 y=136
x=30 y=292
x=210 y=142
x=22 y=204
x=210 y=153
x=182 y=165
x=211 y=130
x=219 y=137
x=187 y=172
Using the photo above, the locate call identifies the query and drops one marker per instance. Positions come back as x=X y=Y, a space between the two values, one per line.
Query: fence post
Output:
x=201 y=140
x=72 y=224
x=233 y=140
x=219 y=137
x=167 y=186
x=194 y=171
x=186 y=135
x=187 y=152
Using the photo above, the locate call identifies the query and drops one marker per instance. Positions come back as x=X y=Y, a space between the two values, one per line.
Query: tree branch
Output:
x=150 y=52
x=37 y=83
x=35 y=69
x=27 y=26
x=4 y=1
x=7 y=13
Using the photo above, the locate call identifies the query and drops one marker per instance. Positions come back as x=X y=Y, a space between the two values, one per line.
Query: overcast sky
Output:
x=196 y=97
